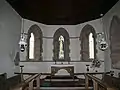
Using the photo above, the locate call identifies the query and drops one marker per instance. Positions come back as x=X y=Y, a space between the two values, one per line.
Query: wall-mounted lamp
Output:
x=87 y=67
x=111 y=73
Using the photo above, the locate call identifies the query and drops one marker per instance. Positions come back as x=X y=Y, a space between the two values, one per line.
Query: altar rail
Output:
x=28 y=83
x=92 y=73
x=97 y=83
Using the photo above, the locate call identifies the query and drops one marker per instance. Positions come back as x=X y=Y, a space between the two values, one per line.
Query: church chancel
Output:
x=60 y=44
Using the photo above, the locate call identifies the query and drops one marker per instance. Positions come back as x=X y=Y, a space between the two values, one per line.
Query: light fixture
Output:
x=22 y=42
x=101 y=14
x=102 y=44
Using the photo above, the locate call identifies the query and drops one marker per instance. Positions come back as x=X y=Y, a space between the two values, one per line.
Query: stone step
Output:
x=63 y=81
x=64 y=88
x=61 y=77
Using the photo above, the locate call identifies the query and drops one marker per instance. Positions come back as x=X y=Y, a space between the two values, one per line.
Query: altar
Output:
x=68 y=67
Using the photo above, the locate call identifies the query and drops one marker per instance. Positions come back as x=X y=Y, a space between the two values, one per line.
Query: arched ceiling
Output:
x=62 y=12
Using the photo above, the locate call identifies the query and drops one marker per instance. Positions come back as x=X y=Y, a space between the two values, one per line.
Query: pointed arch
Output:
x=61 y=32
x=114 y=35
x=35 y=29
x=85 y=47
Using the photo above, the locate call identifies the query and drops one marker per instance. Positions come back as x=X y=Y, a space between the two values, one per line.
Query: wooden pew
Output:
x=28 y=83
x=3 y=82
x=97 y=83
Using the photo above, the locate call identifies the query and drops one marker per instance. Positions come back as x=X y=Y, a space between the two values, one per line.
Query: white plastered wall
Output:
x=10 y=28
x=115 y=10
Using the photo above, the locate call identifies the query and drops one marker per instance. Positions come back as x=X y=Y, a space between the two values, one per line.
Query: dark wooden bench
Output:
x=3 y=82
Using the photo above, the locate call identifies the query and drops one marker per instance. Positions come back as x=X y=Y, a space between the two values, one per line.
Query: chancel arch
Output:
x=61 y=44
x=88 y=43
x=34 y=41
x=114 y=35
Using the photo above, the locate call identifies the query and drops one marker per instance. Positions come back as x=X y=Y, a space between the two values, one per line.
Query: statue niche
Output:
x=61 y=45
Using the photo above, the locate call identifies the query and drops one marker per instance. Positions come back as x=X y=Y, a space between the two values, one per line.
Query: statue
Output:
x=61 y=51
